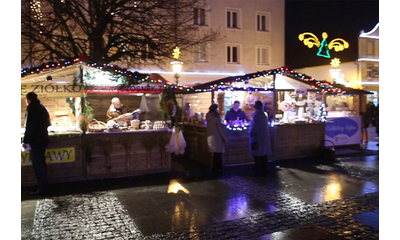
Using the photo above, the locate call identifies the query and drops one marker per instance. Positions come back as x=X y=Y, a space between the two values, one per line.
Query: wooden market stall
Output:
x=74 y=155
x=296 y=133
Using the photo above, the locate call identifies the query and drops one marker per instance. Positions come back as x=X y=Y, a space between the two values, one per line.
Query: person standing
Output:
x=37 y=138
x=259 y=138
x=364 y=127
x=235 y=113
x=216 y=137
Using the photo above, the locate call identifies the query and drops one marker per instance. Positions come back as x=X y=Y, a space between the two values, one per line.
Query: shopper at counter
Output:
x=116 y=109
x=36 y=138
x=259 y=138
x=216 y=136
x=235 y=113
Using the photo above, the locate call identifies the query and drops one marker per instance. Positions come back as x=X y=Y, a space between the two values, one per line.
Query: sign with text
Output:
x=53 y=155
x=140 y=88
x=44 y=90
x=343 y=131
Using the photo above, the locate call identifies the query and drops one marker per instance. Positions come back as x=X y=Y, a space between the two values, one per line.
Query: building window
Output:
x=233 y=54
x=372 y=71
x=263 y=55
x=200 y=53
x=263 y=22
x=199 y=16
x=233 y=18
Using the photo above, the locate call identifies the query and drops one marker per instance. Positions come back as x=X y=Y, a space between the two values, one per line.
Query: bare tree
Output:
x=130 y=33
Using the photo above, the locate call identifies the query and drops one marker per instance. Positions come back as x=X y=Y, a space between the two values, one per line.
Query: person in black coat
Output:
x=36 y=138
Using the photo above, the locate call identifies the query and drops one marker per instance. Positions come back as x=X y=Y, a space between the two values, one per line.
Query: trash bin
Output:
x=327 y=152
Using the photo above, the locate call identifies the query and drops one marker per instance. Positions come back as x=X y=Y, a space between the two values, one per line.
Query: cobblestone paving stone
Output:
x=100 y=215
x=84 y=216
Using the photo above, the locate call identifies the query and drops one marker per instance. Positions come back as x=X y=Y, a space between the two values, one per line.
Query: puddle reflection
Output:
x=330 y=192
x=174 y=187
x=183 y=216
x=236 y=207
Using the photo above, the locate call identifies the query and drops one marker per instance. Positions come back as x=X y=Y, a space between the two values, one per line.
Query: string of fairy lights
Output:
x=319 y=86
x=36 y=8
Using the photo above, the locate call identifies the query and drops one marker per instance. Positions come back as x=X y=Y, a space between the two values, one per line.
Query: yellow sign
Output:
x=53 y=155
x=52 y=89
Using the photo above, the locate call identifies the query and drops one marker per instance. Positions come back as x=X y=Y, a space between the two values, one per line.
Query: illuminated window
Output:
x=263 y=55
x=199 y=16
x=263 y=22
x=233 y=18
x=233 y=54
x=200 y=53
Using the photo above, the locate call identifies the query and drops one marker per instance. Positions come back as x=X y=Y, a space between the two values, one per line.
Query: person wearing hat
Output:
x=259 y=137
x=216 y=137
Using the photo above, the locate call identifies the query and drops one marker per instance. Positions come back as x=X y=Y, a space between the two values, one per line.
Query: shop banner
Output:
x=343 y=131
x=44 y=90
x=140 y=88
x=53 y=155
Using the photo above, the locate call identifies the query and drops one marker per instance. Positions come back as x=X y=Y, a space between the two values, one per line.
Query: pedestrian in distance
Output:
x=365 y=121
x=216 y=137
x=259 y=137
x=36 y=138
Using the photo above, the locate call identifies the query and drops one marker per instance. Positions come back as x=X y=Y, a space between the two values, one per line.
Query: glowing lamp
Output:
x=176 y=66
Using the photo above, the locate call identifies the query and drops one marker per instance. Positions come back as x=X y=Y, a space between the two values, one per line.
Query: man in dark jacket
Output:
x=36 y=138
x=235 y=113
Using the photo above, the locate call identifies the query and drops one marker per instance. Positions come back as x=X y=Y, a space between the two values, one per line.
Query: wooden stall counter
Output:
x=301 y=140
x=288 y=141
x=102 y=155
x=63 y=157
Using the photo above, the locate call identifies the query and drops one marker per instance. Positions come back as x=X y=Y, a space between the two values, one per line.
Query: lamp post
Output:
x=176 y=65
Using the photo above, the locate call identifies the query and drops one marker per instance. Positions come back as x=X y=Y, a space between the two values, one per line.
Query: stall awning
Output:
x=264 y=81
x=192 y=78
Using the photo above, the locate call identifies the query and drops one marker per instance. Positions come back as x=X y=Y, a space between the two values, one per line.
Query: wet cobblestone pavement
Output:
x=287 y=202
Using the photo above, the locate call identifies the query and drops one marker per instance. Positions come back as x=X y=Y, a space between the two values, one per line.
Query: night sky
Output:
x=338 y=18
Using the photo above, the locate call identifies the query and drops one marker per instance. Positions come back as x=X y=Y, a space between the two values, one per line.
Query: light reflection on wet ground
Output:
x=291 y=199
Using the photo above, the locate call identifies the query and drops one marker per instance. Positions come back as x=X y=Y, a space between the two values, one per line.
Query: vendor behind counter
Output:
x=235 y=113
x=115 y=110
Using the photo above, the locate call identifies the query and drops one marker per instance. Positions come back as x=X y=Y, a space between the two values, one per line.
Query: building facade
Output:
x=252 y=39
x=368 y=62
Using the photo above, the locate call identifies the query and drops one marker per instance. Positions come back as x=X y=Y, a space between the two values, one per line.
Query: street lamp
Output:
x=176 y=68
x=176 y=65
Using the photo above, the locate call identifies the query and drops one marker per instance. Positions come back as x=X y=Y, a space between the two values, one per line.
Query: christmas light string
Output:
x=319 y=86
x=105 y=67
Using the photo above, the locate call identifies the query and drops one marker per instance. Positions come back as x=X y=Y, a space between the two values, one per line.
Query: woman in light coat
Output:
x=259 y=133
x=216 y=137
